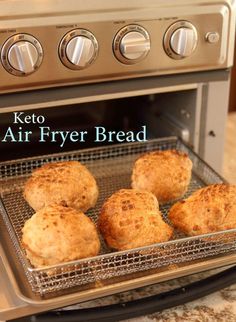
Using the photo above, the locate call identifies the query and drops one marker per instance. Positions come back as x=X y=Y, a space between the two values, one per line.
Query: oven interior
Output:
x=162 y=114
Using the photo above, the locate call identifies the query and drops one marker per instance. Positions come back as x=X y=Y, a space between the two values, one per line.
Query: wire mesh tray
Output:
x=112 y=168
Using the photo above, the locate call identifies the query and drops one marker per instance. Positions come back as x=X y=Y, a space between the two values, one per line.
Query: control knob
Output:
x=78 y=49
x=21 y=54
x=131 y=44
x=180 y=40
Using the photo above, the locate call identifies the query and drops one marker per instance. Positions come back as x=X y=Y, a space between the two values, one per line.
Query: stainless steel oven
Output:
x=157 y=67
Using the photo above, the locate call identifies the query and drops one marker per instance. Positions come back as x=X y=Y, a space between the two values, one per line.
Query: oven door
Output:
x=191 y=106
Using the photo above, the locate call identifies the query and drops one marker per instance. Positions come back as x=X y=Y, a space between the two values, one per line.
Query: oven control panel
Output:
x=67 y=51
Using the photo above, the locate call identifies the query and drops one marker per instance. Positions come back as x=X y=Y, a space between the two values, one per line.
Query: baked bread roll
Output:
x=57 y=234
x=67 y=183
x=207 y=210
x=131 y=218
x=166 y=174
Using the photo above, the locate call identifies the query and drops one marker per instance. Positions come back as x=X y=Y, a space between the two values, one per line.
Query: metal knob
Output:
x=134 y=45
x=131 y=44
x=21 y=54
x=183 y=41
x=78 y=49
x=180 y=40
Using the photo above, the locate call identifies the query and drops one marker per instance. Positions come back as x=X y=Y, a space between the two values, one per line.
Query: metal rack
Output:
x=112 y=167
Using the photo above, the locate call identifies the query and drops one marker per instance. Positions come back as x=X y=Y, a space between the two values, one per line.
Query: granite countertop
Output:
x=229 y=169
x=219 y=306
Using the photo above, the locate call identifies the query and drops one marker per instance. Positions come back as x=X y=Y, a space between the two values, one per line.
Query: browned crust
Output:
x=207 y=210
x=131 y=218
x=58 y=234
x=67 y=183
x=165 y=173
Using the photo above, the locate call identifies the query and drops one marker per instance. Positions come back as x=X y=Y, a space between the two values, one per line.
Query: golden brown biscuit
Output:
x=164 y=173
x=207 y=210
x=131 y=218
x=57 y=234
x=67 y=183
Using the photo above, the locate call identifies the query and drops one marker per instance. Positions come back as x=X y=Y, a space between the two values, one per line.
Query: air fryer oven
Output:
x=144 y=65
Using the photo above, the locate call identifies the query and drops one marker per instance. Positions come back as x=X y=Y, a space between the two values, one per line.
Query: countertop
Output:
x=219 y=306
x=229 y=169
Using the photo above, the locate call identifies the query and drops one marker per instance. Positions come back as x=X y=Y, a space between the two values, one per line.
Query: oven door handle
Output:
x=148 y=305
